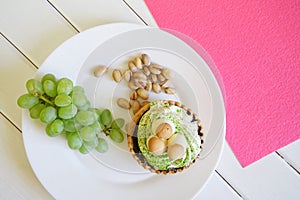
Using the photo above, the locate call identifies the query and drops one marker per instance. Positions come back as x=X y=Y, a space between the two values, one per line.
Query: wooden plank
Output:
x=269 y=178
x=87 y=14
x=216 y=188
x=141 y=9
x=34 y=27
x=14 y=71
x=17 y=180
x=290 y=153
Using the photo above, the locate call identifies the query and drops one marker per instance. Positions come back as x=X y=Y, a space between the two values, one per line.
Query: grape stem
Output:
x=106 y=130
x=44 y=99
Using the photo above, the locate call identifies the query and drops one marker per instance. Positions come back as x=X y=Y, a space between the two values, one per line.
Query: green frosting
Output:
x=183 y=125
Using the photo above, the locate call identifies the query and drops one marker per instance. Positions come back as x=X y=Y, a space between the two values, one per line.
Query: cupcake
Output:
x=165 y=137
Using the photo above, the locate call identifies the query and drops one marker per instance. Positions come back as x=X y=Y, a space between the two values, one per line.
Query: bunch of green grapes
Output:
x=65 y=109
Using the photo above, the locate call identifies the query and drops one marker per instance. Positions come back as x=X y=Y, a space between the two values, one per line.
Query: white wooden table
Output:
x=30 y=30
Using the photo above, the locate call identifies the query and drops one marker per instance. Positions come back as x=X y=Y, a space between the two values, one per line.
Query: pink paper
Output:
x=256 y=47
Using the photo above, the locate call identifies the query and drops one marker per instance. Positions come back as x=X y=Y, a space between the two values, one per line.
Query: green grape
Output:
x=67 y=112
x=85 y=106
x=102 y=146
x=67 y=133
x=49 y=131
x=48 y=114
x=36 y=110
x=50 y=77
x=64 y=86
x=116 y=135
x=78 y=89
x=80 y=123
x=87 y=133
x=85 y=117
x=62 y=100
x=106 y=117
x=91 y=144
x=118 y=123
x=27 y=101
x=96 y=112
x=74 y=140
x=34 y=87
x=71 y=125
x=83 y=149
x=79 y=99
x=55 y=128
x=96 y=126
x=50 y=88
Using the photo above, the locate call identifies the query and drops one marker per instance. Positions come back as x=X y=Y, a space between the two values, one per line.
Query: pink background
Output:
x=256 y=47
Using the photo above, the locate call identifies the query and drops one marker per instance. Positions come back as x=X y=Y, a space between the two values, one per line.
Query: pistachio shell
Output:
x=145 y=59
x=160 y=77
x=131 y=85
x=154 y=70
x=140 y=83
x=165 y=83
x=100 y=70
x=156 y=66
x=132 y=67
x=148 y=86
x=139 y=75
x=146 y=70
x=136 y=106
x=143 y=93
x=138 y=62
x=153 y=78
x=169 y=90
x=133 y=95
x=166 y=73
x=123 y=103
x=127 y=75
x=117 y=75
x=156 y=88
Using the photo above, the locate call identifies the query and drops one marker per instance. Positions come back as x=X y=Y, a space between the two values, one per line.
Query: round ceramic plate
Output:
x=67 y=174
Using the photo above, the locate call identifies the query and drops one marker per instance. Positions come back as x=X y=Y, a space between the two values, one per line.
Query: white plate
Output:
x=67 y=174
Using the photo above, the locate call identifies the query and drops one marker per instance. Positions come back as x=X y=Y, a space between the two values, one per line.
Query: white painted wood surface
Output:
x=291 y=155
x=31 y=30
x=34 y=27
x=17 y=180
x=141 y=9
x=268 y=178
x=86 y=14
x=15 y=69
